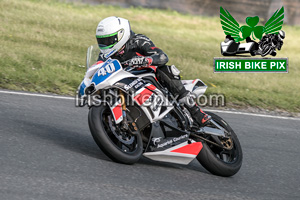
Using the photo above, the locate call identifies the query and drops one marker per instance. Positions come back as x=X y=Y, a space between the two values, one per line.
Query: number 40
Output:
x=107 y=69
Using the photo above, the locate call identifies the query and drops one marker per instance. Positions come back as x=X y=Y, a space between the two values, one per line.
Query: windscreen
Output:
x=92 y=55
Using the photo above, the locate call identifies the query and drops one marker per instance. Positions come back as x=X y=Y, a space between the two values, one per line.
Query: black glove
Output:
x=138 y=62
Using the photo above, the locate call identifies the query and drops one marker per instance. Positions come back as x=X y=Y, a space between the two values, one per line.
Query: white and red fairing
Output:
x=182 y=153
x=146 y=97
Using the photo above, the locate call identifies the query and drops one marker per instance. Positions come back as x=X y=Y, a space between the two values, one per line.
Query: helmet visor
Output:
x=107 y=41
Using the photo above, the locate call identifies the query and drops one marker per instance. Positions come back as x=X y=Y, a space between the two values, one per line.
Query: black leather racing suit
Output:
x=140 y=45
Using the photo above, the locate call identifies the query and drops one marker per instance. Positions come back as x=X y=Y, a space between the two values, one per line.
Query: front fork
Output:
x=125 y=125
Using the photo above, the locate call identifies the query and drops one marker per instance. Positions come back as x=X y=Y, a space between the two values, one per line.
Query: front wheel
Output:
x=220 y=161
x=266 y=50
x=120 y=146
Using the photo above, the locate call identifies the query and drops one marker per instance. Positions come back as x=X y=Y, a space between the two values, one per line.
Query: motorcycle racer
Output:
x=276 y=39
x=116 y=40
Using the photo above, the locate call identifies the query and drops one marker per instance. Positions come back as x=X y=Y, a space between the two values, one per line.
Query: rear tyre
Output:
x=120 y=146
x=217 y=160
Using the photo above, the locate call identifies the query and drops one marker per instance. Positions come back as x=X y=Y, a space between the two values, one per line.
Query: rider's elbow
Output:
x=164 y=59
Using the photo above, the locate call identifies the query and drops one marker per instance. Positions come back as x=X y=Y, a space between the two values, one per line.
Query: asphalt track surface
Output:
x=47 y=152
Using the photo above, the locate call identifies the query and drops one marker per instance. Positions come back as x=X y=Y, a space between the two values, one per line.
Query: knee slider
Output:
x=171 y=71
x=174 y=70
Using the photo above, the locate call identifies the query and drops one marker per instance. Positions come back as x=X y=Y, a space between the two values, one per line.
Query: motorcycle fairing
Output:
x=168 y=143
x=165 y=134
x=245 y=47
x=81 y=88
x=150 y=99
x=109 y=73
x=182 y=153
x=153 y=102
x=116 y=110
x=87 y=78
x=230 y=47
x=195 y=86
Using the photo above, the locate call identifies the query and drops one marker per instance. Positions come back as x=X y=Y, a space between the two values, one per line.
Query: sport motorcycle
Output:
x=132 y=115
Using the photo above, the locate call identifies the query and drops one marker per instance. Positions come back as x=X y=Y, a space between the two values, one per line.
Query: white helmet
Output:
x=281 y=34
x=112 y=33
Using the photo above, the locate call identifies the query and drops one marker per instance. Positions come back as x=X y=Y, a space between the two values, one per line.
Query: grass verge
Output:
x=43 y=43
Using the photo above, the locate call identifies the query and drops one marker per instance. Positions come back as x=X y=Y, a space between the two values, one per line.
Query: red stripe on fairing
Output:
x=117 y=111
x=143 y=96
x=97 y=63
x=193 y=148
x=138 y=54
x=152 y=67
x=151 y=87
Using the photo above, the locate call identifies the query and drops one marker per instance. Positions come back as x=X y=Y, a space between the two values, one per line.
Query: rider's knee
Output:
x=171 y=71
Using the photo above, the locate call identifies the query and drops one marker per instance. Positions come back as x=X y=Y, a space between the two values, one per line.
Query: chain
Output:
x=228 y=144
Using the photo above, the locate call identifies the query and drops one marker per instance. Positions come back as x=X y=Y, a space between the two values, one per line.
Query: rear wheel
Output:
x=120 y=146
x=221 y=161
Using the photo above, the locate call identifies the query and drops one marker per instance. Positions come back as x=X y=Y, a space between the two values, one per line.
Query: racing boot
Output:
x=200 y=117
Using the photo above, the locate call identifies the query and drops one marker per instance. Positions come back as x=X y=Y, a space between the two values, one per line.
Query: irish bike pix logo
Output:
x=243 y=44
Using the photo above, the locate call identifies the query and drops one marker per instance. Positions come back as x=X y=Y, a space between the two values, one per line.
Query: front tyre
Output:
x=266 y=50
x=219 y=161
x=120 y=146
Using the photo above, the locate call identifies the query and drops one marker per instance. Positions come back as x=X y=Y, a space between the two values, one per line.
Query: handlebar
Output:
x=129 y=69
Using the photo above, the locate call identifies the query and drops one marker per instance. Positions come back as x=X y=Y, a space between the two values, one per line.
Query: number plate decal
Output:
x=106 y=70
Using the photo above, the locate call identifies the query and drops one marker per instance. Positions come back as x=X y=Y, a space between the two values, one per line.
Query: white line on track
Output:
x=220 y=111
x=37 y=95
x=252 y=114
